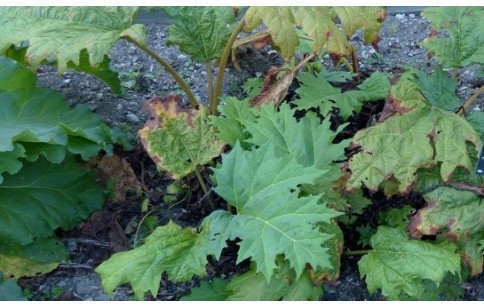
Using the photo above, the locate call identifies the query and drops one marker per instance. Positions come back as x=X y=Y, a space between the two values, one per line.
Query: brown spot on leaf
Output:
x=391 y=107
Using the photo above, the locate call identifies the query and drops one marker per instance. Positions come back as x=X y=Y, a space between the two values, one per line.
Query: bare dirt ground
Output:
x=115 y=228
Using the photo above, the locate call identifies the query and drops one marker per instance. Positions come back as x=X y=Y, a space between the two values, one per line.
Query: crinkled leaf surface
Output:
x=38 y=122
x=310 y=140
x=10 y=290
x=75 y=37
x=33 y=259
x=180 y=252
x=271 y=219
x=229 y=122
x=397 y=264
x=316 y=92
x=463 y=43
x=316 y=22
x=368 y=18
x=179 y=140
x=439 y=89
x=201 y=32
x=415 y=136
x=459 y=213
x=43 y=197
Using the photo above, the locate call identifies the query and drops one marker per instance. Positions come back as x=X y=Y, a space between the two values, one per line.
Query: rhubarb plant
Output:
x=282 y=181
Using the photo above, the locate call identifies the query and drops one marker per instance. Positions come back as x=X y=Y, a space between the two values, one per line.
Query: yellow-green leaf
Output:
x=179 y=140
x=368 y=18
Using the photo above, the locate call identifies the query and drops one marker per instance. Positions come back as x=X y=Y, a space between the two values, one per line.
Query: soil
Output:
x=116 y=227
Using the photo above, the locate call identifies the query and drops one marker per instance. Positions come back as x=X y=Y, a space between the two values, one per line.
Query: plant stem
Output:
x=354 y=59
x=204 y=188
x=462 y=111
x=208 y=68
x=304 y=61
x=179 y=79
x=222 y=64
x=347 y=64
x=357 y=252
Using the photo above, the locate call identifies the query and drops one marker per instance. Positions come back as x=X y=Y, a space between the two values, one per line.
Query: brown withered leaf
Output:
x=274 y=90
x=118 y=171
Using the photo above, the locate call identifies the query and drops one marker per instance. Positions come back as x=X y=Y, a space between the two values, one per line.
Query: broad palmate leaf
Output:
x=414 y=135
x=463 y=42
x=215 y=290
x=38 y=122
x=316 y=22
x=179 y=140
x=179 y=252
x=316 y=92
x=201 y=32
x=398 y=265
x=271 y=219
x=32 y=260
x=43 y=197
x=310 y=140
x=63 y=34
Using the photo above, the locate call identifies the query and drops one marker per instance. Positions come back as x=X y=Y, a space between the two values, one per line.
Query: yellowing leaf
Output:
x=368 y=18
x=31 y=260
x=179 y=140
x=316 y=23
x=398 y=265
x=459 y=212
x=74 y=37
x=414 y=136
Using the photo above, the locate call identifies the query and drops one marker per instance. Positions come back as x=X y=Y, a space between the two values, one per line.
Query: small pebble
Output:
x=400 y=17
x=411 y=15
x=67 y=81
x=132 y=118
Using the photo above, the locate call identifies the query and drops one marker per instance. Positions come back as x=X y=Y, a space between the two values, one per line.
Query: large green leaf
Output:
x=309 y=139
x=316 y=92
x=43 y=197
x=414 y=135
x=201 y=32
x=31 y=260
x=10 y=290
x=179 y=252
x=399 y=265
x=35 y=121
x=271 y=219
x=179 y=140
x=316 y=22
x=463 y=42
x=75 y=37
x=368 y=18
